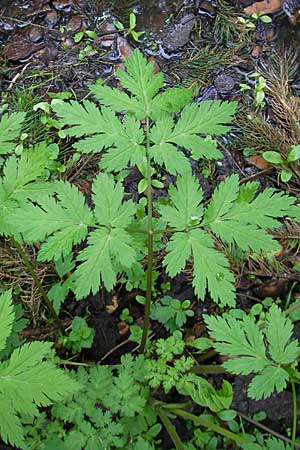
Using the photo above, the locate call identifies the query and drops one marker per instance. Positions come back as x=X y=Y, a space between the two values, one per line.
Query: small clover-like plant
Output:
x=131 y=31
x=286 y=163
x=171 y=312
x=81 y=335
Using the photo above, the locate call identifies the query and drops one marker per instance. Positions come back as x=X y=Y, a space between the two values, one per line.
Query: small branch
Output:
x=167 y=424
x=211 y=426
x=208 y=369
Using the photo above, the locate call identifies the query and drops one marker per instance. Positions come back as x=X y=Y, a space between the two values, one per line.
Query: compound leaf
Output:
x=7 y=317
x=278 y=333
x=108 y=199
x=178 y=252
x=117 y=100
x=265 y=383
x=69 y=217
x=83 y=119
x=104 y=246
x=139 y=79
x=241 y=339
x=207 y=117
x=186 y=200
x=211 y=270
x=19 y=183
x=10 y=128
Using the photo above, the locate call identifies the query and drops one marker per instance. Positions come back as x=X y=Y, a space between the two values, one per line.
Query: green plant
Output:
x=244 y=341
x=266 y=351
x=258 y=89
x=286 y=163
x=121 y=236
x=143 y=183
x=131 y=30
x=250 y=23
x=172 y=313
x=81 y=335
x=233 y=215
x=28 y=379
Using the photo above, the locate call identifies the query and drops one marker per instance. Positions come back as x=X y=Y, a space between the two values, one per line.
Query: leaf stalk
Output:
x=149 y=245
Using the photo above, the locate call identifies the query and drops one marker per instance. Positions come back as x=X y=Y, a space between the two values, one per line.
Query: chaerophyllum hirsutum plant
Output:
x=143 y=127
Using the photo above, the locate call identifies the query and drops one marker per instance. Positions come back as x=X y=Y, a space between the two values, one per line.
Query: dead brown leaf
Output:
x=266 y=7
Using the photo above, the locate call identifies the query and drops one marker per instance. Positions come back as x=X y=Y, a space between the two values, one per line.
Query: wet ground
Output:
x=200 y=44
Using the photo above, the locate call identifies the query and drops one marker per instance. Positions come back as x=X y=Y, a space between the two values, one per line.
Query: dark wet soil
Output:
x=195 y=43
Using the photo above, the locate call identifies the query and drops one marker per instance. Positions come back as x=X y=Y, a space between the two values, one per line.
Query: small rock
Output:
x=107 y=39
x=76 y=23
x=68 y=43
x=21 y=47
x=35 y=34
x=224 y=83
x=62 y=4
x=124 y=48
x=180 y=34
x=50 y=54
x=272 y=288
x=51 y=18
x=207 y=8
x=258 y=161
x=256 y=51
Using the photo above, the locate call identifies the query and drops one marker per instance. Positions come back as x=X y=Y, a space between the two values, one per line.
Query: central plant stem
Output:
x=149 y=245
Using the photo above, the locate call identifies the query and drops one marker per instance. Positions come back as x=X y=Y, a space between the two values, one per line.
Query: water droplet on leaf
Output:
x=219 y=276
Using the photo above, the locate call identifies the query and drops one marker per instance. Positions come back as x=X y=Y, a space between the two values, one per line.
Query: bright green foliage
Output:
x=109 y=412
x=10 y=128
x=186 y=208
x=172 y=313
x=264 y=352
x=269 y=444
x=172 y=369
x=22 y=179
x=7 y=318
x=81 y=335
x=124 y=141
x=64 y=222
x=233 y=215
x=27 y=379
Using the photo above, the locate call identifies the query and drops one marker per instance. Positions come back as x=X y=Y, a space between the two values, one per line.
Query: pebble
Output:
x=76 y=23
x=21 y=47
x=35 y=34
x=62 y=4
x=224 y=83
x=180 y=34
x=51 y=18
x=124 y=48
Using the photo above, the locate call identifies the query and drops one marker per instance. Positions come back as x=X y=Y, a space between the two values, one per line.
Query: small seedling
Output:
x=172 y=313
x=276 y=158
x=81 y=336
x=250 y=23
x=131 y=30
x=142 y=186
x=258 y=89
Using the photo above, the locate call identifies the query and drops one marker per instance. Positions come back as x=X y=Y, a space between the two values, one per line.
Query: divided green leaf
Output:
x=27 y=379
x=10 y=129
x=252 y=350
